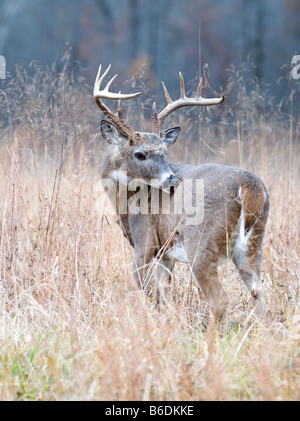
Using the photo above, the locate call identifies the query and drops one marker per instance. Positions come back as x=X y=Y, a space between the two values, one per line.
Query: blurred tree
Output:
x=162 y=36
x=258 y=43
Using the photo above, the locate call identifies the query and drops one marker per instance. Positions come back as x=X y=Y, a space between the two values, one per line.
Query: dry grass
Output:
x=73 y=326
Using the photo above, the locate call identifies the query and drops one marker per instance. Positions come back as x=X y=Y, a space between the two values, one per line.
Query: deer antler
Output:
x=183 y=101
x=117 y=117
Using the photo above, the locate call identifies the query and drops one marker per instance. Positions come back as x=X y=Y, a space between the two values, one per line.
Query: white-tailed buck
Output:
x=233 y=206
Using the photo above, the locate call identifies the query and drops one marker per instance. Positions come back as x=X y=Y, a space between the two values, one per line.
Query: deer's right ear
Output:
x=110 y=132
x=169 y=136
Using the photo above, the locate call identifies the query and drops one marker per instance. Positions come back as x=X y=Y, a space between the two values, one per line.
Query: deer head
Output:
x=142 y=155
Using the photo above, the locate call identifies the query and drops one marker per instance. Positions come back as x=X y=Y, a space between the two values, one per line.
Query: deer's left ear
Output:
x=110 y=132
x=169 y=136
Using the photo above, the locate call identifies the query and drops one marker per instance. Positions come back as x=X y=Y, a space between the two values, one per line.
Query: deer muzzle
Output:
x=169 y=183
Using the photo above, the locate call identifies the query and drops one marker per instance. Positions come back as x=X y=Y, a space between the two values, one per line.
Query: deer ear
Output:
x=110 y=132
x=169 y=136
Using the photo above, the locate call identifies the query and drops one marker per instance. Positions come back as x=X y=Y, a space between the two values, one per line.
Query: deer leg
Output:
x=249 y=269
x=143 y=270
x=163 y=273
x=247 y=254
x=144 y=252
x=206 y=276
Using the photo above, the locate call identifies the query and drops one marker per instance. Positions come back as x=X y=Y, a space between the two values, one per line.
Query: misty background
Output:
x=158 y=38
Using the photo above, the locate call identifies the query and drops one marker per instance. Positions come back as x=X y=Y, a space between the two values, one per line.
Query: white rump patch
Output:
x=241 y=243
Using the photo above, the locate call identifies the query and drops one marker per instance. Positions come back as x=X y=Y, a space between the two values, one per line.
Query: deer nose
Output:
x=171 y=183
x=173 y=180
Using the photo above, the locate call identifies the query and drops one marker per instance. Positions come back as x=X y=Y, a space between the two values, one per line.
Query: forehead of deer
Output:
x=149 y=142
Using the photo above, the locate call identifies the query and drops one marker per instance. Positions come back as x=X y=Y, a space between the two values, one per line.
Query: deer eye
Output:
x=140 y=156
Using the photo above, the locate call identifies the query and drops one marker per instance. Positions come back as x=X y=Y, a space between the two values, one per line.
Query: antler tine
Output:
x=166 y=93
x=120 y=110
x=116 y=118
x=99 y=78
x=199 y=89
x=182 y=90
x=108 y=85
x=183 y=101
x=155 y=122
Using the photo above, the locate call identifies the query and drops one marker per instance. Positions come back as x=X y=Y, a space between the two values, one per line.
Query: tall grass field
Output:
x=73 y=325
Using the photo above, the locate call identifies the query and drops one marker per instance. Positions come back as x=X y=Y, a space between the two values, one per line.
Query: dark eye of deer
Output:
x=140 y=156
